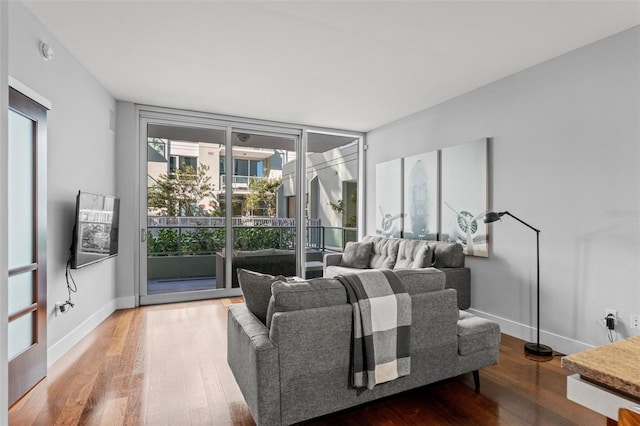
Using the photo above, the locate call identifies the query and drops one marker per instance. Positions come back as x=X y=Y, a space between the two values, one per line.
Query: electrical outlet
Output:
x=613 y=313
x=62 y=307
x=635 y=322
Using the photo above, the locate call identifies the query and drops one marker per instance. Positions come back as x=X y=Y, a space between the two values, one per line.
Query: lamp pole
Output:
x=530 y=348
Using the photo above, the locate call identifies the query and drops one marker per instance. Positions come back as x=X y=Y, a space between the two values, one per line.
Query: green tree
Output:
x=178 y=194
x=263 y=196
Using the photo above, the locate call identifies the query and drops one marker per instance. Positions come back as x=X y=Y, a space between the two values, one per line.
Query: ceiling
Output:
x=353 y=65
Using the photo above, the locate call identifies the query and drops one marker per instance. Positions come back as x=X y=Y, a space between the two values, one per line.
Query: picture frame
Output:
x=464 y=195
x=389 y=198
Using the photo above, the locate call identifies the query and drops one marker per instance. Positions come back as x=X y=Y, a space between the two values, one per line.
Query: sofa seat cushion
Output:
x=256 y=289
x=413 y=254
x=299 y=295
x=356 y=255
x=476 y=334
x=384 y=253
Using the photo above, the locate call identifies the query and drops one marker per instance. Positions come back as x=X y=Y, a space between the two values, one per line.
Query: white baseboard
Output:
x=559 y=343
x=126 y=302
x=61 y=347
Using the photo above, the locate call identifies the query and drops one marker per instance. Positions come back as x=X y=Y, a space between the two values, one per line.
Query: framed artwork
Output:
x=464 y=188
x=421 y=212
x=389 y=198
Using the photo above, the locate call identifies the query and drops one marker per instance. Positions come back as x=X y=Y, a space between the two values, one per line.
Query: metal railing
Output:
x=210 y=221
x=187 y=240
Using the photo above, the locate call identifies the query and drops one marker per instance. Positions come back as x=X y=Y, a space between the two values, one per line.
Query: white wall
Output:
x=127 y=168
x=81 y=155
x=565 y=158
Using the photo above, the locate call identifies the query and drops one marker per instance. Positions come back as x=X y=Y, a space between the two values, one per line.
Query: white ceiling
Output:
x=352 y=65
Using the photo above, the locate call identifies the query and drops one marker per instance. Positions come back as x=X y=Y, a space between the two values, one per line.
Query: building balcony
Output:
x=184 y=249
x=249 y=153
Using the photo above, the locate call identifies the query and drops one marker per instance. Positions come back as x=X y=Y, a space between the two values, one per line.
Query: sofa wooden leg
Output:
x=476 y=380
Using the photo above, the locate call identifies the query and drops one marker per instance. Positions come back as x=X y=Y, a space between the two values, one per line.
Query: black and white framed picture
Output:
x=464 y=187
x=389 y=198
x=421 y=196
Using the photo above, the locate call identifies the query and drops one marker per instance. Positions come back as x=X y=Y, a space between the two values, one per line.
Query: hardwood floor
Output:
x=166 y=365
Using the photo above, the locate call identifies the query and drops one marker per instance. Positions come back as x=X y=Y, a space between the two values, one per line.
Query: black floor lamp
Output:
x=530 y=348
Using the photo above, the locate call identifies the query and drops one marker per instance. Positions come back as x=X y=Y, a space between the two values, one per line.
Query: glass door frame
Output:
x=142 y=291
x=146 y=115
x=295 y=135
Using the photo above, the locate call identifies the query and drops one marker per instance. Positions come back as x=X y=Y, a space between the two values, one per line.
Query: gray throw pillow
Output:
x=256 y=289
x=356 y=255
x=424 y=257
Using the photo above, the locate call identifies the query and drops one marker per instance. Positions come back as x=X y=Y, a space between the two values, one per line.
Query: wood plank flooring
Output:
x=166 y=365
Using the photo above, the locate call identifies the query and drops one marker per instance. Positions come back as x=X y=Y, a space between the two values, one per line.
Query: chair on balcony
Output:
x=266 y=261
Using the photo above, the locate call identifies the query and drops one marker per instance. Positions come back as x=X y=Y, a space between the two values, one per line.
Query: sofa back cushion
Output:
x=447 y=254
x=296 y=296
x=256 y=289
x=384 y=253
x=356 y=255
x=413 y=254
x=421 y=280
x=323 y=292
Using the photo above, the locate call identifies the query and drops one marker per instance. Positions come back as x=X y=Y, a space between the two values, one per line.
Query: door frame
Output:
x=145 y=114
x=30 y=366
x=143 y=297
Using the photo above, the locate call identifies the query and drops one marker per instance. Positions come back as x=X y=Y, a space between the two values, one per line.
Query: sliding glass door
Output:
x=185 y=218
x=219 y=195
x=263 y=224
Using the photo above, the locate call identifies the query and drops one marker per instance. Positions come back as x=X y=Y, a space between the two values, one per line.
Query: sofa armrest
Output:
x=460 y=280
x=331 y=259
x=253 y=359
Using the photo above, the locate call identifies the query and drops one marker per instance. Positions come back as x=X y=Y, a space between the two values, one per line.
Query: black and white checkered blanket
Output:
x=381 y=327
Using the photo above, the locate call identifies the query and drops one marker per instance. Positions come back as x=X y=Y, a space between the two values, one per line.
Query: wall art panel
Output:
x=389 y=198
x=421 y=209
x=465 y=196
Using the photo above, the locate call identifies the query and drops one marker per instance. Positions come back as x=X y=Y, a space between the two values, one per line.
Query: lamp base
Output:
x=538 y=350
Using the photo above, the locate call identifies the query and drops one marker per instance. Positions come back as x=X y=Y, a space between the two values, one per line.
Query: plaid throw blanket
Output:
x=381 y=327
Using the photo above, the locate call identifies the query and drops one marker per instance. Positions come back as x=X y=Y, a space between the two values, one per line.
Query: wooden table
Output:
x=605 y=378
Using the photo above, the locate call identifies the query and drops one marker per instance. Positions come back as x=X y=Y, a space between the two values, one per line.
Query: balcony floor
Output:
x=180 y=285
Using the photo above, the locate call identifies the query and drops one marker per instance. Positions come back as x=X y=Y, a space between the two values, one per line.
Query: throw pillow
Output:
x=256 y=289
x=356 y=255
x=424 y=257
x=413 y=254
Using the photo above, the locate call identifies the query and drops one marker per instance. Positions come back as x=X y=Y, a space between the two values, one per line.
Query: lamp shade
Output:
x=493 y=216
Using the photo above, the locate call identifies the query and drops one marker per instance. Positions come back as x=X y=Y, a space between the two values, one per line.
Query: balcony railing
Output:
x=215 y=222
x=186 y=240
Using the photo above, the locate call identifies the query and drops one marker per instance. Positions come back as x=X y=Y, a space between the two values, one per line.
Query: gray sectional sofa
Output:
x=397 y=253
x=295 y=365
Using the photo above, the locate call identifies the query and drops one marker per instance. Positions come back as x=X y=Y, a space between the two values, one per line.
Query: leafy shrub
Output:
x=201 y=241
x=257 y=238
x=165 y=243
